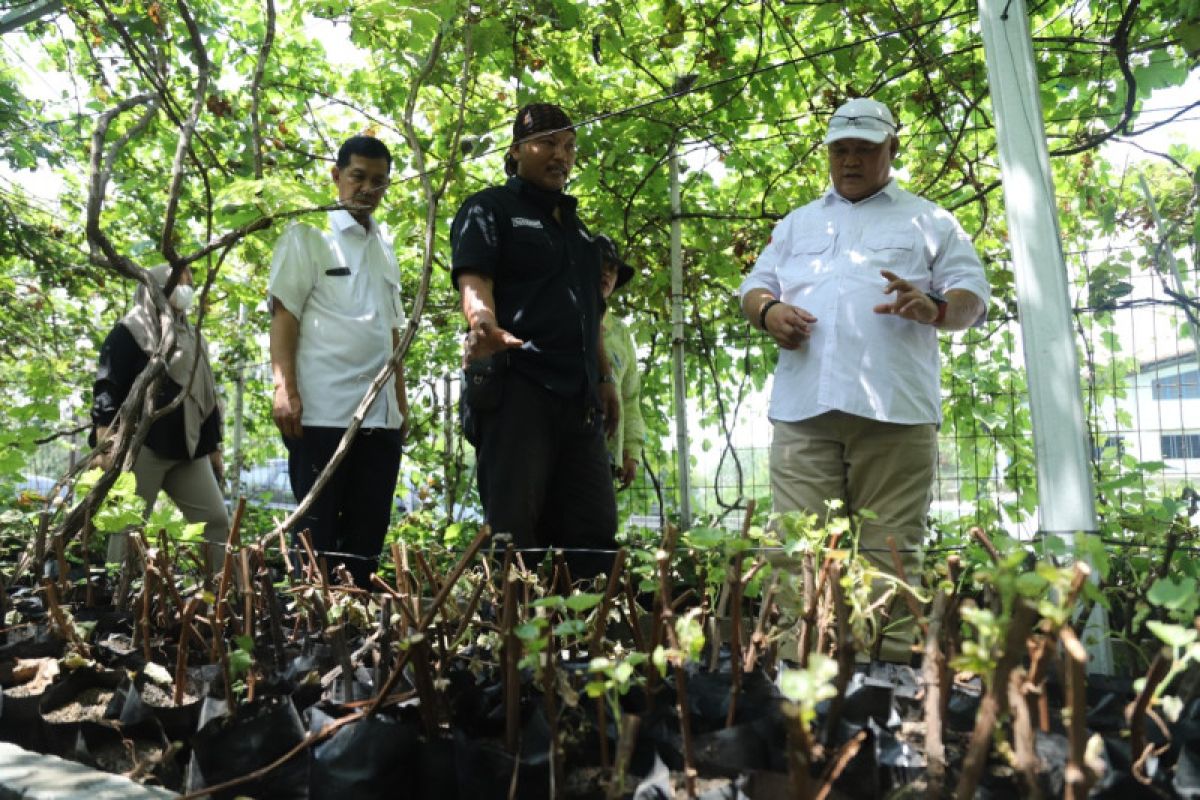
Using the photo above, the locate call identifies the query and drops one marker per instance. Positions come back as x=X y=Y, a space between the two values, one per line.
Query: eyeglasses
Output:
x=376 y=183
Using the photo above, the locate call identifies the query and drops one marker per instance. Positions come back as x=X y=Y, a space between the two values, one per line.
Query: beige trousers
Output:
x=192 y=487
x=869 y=465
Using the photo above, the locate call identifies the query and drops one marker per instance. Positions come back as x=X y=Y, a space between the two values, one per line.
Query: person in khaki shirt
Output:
x=335 y=320
x=624 y=444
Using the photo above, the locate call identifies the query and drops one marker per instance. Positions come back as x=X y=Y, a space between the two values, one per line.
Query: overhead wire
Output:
x=747 y=74
x=1110 y=249
x=698 y=87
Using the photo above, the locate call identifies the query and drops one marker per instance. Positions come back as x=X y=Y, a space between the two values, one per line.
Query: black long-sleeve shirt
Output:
x=121 y=361
x=546 y=279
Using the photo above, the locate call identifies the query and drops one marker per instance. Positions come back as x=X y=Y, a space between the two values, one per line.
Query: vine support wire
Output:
x=677 y=344
x=1066 y=499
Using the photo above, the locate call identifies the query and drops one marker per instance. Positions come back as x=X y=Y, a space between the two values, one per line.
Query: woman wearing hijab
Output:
x=182 y=451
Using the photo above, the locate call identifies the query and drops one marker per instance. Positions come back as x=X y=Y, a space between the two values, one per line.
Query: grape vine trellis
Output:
x=220 y=118
x=190 y=130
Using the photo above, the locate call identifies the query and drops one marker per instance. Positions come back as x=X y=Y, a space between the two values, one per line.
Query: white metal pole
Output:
x=677 y=346
x=1066 y=500
x=27 y=13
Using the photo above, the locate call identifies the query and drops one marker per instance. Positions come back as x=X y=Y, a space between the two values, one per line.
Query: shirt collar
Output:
x=545 y=199
x=891 y=190
x=343 y=222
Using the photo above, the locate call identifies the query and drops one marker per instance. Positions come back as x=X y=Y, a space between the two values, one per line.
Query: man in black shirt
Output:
x=538 y=393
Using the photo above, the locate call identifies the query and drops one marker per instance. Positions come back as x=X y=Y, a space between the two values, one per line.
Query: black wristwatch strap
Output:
x=762 y=312
x=942 y=304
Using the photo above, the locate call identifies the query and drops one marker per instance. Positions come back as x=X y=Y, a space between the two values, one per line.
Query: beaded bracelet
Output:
x=762 y=312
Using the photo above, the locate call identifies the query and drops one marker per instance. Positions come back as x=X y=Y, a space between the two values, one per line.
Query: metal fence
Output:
x=1141 y=392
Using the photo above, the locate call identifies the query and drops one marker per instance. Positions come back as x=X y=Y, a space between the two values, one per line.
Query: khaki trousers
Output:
x=882 y=467
x=192 y=487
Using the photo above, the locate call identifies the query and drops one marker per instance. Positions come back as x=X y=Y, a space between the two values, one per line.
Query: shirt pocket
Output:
x=529 y=253
x=336 y=285
x=809 y=258
x=894 y=249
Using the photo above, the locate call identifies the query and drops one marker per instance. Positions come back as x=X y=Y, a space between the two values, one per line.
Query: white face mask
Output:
x=181 y=298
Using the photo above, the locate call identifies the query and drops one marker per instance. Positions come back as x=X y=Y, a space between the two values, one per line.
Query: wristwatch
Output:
x=942 y=304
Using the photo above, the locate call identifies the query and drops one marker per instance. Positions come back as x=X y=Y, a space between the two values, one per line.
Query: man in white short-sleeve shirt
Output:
x=854 y=288
x=335 y=320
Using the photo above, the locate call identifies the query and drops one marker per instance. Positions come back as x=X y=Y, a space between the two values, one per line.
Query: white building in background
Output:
x=1162 y=409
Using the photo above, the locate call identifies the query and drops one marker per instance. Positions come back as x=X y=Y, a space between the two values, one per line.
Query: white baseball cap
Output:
x=861 y=118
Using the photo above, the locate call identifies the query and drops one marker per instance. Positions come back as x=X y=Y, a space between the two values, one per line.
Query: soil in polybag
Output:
x=25 y=682
x=84 y=698
x=147 y=701
x=256 y=735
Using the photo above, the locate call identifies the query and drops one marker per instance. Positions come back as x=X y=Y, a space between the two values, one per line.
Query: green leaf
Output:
x=705 y=538
x=240 y=662
x=1157 y=74
x=529 y=631
x=192 y=532
x=1031 y=585
x=568 y=14
x=659 y=659
x=571 y=628
x=1189 y=36
x=825 y=12
x=1175 y=636
x=1172 y=594
x=808 y=687
x=583 y=602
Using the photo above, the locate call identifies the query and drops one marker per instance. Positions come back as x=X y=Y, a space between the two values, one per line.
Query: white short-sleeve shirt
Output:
x=343 y=285
x=826 y=257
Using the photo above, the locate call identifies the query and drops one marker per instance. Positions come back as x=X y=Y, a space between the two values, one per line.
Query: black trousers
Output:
x=543 y=470
x=347 y=523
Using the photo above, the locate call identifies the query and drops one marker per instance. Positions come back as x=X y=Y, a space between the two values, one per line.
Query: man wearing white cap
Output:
x=854 y=287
